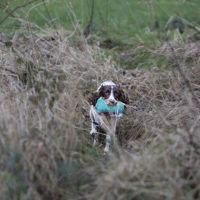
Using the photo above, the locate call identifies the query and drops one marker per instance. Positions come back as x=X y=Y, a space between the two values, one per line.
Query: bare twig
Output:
x=185 y=79
x=9 y=70
x=89 y=26
x=16 y=8
x=189 y=24
x=184 y=21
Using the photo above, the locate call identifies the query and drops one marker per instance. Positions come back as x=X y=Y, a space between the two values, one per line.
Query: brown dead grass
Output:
x=45 y=147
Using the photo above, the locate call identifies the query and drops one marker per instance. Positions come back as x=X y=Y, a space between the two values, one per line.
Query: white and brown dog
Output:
x=106 y=122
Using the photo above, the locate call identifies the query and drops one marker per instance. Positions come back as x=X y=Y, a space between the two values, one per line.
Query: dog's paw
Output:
x=107 y=152
x=93 y=132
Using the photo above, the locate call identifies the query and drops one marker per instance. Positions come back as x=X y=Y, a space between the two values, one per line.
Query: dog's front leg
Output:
x=108 y=143
x=93 y=131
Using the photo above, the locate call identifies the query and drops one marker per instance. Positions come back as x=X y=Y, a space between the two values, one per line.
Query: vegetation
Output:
x=46 y=75
x=118 y=19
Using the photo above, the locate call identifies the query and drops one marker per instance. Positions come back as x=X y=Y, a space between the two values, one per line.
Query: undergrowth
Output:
x=45 y=148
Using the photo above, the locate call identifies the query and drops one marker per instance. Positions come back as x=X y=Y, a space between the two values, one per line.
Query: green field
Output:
x=118 y=19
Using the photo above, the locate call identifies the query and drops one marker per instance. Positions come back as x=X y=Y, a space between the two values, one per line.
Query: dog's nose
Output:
x=112 y=102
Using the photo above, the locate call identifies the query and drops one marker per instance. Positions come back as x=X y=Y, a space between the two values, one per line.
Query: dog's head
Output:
x=110 y=92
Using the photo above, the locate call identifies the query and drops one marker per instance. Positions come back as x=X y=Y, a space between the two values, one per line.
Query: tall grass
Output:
x=44 y=114
x=45 y=148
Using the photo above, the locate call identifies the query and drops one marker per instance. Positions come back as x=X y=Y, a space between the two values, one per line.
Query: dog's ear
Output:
x=123 y=97
x=92 y=99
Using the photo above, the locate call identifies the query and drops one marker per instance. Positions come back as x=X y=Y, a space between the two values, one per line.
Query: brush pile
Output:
x=45 y=146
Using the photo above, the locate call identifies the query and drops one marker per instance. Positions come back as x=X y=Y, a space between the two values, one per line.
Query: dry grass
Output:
x=45 y=147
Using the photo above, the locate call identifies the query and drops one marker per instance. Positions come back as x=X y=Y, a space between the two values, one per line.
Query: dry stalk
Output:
x=185 y=79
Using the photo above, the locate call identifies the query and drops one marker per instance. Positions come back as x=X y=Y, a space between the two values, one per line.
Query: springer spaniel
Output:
x=111 y=94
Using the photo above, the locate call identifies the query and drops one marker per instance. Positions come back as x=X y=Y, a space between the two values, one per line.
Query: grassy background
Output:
x=118 y=19
x=118 y=25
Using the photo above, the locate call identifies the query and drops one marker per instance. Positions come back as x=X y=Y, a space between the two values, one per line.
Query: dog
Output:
x=112 y=94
